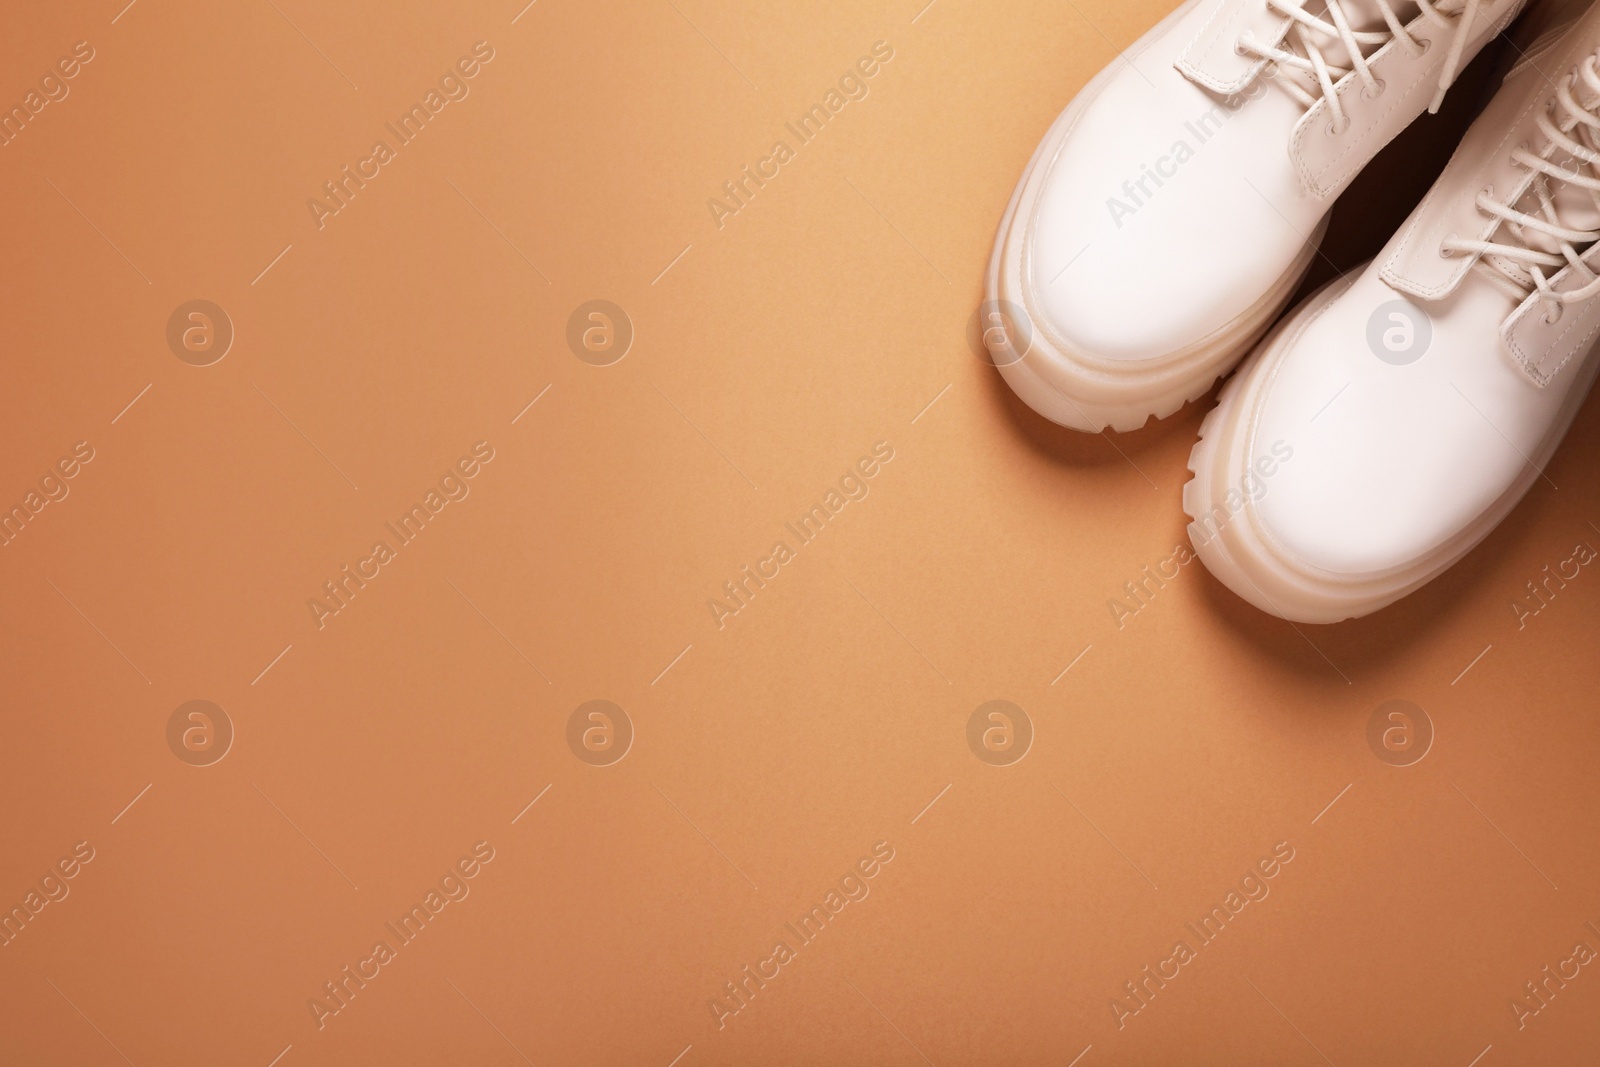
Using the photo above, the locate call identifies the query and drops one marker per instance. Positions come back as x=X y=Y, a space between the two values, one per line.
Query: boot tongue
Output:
x=1575 y=209
x=1363 y=16
x=1575 y=206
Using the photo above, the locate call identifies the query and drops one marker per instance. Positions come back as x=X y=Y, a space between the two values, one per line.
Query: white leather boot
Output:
x=1407 y=407
x=1175 y=205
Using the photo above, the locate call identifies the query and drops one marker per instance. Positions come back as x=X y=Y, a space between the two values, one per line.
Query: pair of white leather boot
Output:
x=1384 y=427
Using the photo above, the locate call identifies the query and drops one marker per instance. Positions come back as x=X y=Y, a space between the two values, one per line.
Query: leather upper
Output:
x=1391 y=461
x=1396 y=457
x=1169 y=209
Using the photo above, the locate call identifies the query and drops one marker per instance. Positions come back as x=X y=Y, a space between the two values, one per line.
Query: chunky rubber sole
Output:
x=1086 y=392
x=1246 y=559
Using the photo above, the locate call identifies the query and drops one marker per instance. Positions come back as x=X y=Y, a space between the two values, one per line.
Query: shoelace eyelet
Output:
x=1446 y=252
x=1551 y=320
x=1373 y=94
x=1333 y=129
x=1427 y=46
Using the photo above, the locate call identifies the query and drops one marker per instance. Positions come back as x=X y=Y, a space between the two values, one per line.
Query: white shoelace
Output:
x=1532 y=242
x=1314 y=33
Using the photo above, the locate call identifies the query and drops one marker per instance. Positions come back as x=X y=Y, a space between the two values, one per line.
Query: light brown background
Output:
x=769 y=757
